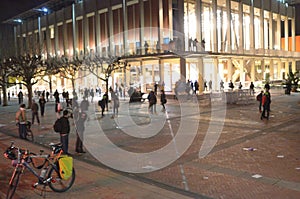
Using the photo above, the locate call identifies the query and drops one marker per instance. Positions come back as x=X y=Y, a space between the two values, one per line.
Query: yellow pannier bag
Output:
x=65 y=167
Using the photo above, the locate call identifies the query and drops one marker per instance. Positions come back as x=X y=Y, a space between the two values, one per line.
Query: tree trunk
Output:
x=50 y=85
x=106 y=86
x=4 y=90
x=29 y=89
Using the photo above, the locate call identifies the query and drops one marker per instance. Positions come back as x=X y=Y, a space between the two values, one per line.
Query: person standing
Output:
x=56 y=96
x=231 y=86
x=196 y=85
x=21 y=121
x=163 y=100
x=64 y=134
x=20 y=97
x=266 y=101
x=47 y=96
x=116 y=103
x=251 y=88
x=84 y=105
x=152 y=102
x=35 y=112
x=210 y=85
x=42 y=103
x=221 y=85
x=80 y=122
x=205 y=85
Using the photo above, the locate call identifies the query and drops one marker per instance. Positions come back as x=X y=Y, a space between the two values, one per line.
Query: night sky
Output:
x=11 y=8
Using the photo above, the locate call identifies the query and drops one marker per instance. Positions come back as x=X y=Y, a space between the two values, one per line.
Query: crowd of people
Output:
x=79 y=111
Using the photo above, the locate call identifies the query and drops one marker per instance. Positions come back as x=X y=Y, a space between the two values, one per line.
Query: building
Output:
x=165 y=40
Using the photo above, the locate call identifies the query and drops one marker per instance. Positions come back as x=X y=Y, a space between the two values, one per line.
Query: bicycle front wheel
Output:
x=13 y=184
x=30 y=135
x=58 y=184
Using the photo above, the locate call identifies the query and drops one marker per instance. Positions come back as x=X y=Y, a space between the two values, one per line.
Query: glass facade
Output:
x=218 y=39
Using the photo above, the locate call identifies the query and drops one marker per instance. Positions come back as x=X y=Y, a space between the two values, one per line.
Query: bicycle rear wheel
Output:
x=13 y=184
x=30 y=135
x=58 y=184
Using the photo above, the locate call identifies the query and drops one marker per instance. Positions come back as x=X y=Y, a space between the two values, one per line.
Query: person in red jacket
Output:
x=266 y=101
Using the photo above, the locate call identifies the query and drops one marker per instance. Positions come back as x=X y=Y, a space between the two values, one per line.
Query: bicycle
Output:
x=51 y=171
x=29 y=134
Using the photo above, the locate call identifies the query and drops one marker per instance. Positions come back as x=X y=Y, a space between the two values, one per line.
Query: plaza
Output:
x=251 y=158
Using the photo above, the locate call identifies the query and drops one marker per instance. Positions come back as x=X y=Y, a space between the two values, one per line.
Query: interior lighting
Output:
x=18 y=20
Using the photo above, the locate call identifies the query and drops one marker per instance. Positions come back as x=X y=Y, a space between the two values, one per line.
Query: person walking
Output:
x=35 y=112
x=21 y=121
x=80 y=122
x=20 y=97
x=116 y=103
x=196 y=86
x=163 y=100
x=205 y=85
x=42 y=102
x=251 y=88
x=152 y=102
x=84 y=105
x=64 y=134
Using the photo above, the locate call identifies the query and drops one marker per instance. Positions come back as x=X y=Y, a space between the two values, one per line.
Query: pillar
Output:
x=214 y=26
x=286 y=34
x=215 y=78
x=229 y=69
x=200 y=74
x=293 y=35
x=271 y=44
x=252 y=41
x=125 y=27
x=241 y=29
x=160 y=22
x=142 y=25
x=242 y=74
x=271 y=69
x=278 y=32
x=262 y=27
x=252 y=70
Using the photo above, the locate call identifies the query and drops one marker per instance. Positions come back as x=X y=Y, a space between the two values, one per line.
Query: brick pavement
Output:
x=226 y=172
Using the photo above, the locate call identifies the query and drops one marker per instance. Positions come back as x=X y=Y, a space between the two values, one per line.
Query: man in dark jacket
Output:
x=64 y=134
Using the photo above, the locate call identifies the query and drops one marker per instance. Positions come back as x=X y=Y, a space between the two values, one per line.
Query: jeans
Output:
x=64 y=139
x=22 y=131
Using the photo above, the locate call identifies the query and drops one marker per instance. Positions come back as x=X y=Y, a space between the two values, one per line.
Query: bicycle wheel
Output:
x=13 y=184
x=30 y=135
x=57 y=184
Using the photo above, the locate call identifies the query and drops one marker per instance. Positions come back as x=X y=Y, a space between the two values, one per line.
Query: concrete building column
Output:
x=200 y=74
x=263 y=69
x=241 y=28
x=262 y=27
x=199 y=20
x=286 y=34
x=293 y=35
x=286 y=68
x=125 y=27
x=56 y=44
x=182 y=67
x=229 y=69
x=97 y=33
x=278 y=32
x=293 y=66
x=271 y=69
x=48 y=37
x=279 y=70
x=160 y=22
x=253 y=72
x=170 y=14
x=110 y=31
x=271 y=44
x=251 y=34
x=65 y=34
x=142 y=26
x=242 y=73
x=40 y=36
x=214 y=26
x=215 y=75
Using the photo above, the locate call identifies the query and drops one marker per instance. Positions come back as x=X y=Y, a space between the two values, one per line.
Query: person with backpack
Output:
x=62 y=126
x=259 y=98
x=21 y=121
x=266 y=101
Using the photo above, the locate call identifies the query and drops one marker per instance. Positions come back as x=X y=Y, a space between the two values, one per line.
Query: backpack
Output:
x=65 y=164
x=259 y=97
x=57 y=126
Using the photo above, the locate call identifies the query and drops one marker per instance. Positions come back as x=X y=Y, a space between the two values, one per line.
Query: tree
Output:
x=69 y=68
x=27 y=68
x=4 y=77
x=103 y=67
x=293 y=79
x=52 y=67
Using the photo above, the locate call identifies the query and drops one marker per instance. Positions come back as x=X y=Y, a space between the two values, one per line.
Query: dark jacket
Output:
x=65 y=125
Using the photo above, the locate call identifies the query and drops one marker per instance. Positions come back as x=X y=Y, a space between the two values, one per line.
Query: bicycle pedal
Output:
x=35 y=185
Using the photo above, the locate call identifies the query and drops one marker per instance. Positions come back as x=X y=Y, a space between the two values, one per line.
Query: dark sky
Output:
x=10 y=8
